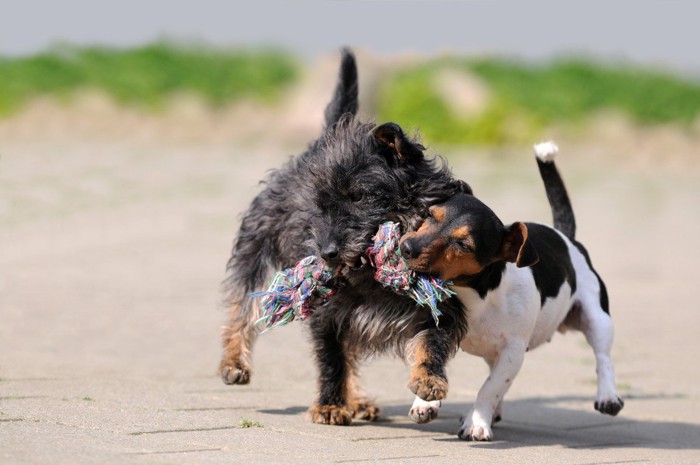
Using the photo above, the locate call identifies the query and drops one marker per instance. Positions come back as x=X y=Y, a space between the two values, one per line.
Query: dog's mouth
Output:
x=420 y=264
x=357 y=264
x=418 y=268
x=350 y=265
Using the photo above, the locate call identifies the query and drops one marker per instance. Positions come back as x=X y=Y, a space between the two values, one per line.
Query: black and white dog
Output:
x=519 y=285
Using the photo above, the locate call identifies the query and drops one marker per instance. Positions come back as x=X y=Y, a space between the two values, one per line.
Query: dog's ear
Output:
x=401 y=147
x=345 y=99
x=516 y=248
x=464 y=187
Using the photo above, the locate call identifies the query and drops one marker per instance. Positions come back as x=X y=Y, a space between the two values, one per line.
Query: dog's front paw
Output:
x=609 y=406
x=476 y=427
x=330 y=414
x=429 y=387
x=234 y=372
x=424 y=412
x=476 y=433
x=365 y=409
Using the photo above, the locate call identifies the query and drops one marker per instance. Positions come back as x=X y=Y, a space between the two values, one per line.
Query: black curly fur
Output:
x=330 y=201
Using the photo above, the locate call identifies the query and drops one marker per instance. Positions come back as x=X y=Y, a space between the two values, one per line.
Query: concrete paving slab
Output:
x=110 y=318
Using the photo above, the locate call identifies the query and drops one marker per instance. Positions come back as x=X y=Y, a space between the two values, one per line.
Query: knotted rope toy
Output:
x=296 y=292
x=393 y=272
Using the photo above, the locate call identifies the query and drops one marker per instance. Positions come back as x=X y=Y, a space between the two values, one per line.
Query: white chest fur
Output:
x=512 y=313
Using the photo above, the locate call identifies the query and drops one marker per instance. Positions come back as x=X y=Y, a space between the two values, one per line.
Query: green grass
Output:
x=250 y=424
x=146 y=76
x=526 y=98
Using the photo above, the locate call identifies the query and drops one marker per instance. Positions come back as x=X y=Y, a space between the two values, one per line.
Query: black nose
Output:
x=407 y=249
x=330 y=251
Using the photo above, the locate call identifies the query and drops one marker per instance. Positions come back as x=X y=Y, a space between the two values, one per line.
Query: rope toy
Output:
x=393 y=272
x=296 y=292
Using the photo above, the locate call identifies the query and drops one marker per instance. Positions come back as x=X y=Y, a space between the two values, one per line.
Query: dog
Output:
x=329 y=202
x=519 y=284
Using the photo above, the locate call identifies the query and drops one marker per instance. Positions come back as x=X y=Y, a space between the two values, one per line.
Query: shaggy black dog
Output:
x=329 y=202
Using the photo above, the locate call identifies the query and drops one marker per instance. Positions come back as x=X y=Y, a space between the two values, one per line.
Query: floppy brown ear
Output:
x=402 y=148
x=516 y=248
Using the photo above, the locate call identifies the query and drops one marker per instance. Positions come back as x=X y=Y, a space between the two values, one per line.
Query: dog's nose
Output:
x=330 y=251
x=407 y=249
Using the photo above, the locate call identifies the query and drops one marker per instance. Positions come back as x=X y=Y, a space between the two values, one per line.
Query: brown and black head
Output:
x=461 y=237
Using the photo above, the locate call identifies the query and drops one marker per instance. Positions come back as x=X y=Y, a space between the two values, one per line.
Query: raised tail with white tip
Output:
x=562 y=212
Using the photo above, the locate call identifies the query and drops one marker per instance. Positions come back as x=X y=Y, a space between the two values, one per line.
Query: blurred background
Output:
x=133 y=134
x=467 y=73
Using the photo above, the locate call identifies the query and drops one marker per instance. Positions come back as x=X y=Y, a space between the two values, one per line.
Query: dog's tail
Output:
x=345 y=97
x=562 y=212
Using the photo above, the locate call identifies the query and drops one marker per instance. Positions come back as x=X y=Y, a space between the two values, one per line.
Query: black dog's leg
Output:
x=253 y=254
x=363 y=407
x=428 y=354
x=335 y=373
x=238 y=337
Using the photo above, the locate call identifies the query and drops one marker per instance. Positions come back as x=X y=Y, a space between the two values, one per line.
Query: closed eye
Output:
x=355 y=196
x=465 y=246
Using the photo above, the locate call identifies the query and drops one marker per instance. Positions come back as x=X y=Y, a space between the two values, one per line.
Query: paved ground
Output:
x=112 y=251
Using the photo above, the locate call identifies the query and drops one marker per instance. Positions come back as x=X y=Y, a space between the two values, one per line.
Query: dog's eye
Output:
x=465 y=246
x=355 y=196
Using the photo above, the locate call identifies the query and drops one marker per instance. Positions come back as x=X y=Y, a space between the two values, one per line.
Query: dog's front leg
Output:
x=477 y=424
x=427 y=354
x=335 y=373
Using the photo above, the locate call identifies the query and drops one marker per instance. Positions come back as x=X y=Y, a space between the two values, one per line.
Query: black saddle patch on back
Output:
x=555 y=265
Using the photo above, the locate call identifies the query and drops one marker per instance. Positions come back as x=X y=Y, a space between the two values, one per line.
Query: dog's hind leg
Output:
x=597 y=326
x=239 y=334
x=248 y=268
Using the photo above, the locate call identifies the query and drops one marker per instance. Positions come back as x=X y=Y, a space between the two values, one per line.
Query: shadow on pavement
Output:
x=536 y=422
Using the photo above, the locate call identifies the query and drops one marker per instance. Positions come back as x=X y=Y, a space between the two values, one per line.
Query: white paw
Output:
x=476 y=428
x=476 y=433
x=424 y=412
